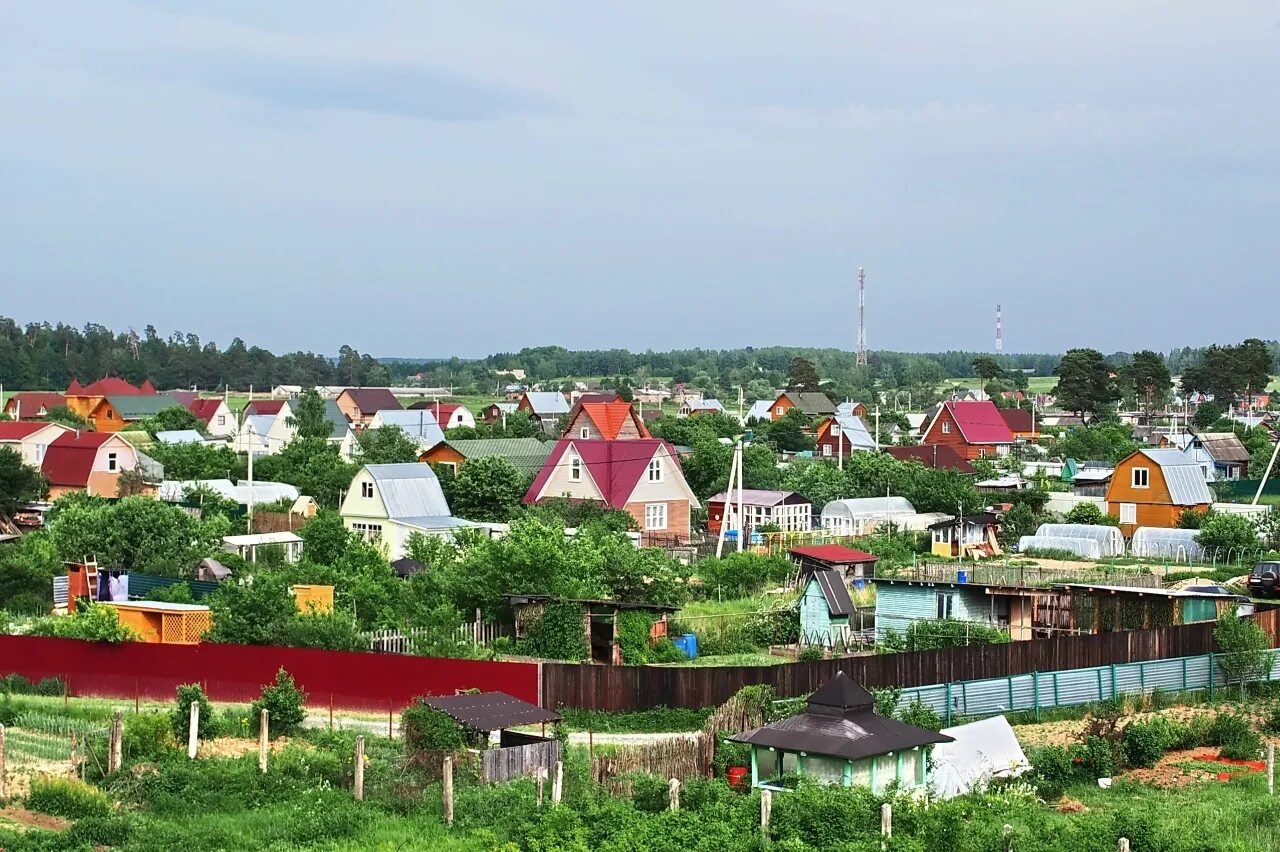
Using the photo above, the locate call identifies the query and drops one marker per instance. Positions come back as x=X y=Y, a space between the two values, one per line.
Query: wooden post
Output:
x=557 y=786
x=591 y=748
x=1006 y=836
x=359 y=791
x=448 y=791
x=766 y=809
x=73 y=752
x=264 y=732
x=116 y=757
x=1122 y=845
x=2 y=788
x=331 y=711
x=193 y=730
x=886 y=820
x=541 y=777
x=673 y=793
x=1271 y=769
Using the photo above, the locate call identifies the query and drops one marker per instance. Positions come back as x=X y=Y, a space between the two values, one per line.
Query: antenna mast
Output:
x=862 y=317
x=999 y=331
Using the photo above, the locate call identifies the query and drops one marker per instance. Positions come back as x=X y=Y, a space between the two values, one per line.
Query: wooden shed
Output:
x=163 y=622
x=516 y=754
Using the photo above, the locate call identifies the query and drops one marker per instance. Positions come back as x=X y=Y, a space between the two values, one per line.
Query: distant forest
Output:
x=48 y=357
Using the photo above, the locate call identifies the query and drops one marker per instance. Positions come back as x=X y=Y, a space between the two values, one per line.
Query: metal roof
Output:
x=1223 y=446
x=135 y=407
x=757 y=497
x=419 y=423
x=760 y=410
x=547 y=402
x=852 y=427
x=527 y=455
x=490 y=711
x=409 y=490
x=180 y=436
x=1182 y=476
x=831 y=582
x=870 y=507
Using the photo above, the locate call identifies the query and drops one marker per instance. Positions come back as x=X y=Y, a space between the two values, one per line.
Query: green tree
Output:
x=173 y=418
x=987 y=369
x=285 y=703
x=1226 y=532
x=19 y=482
x=325 y=537
x=132 y=482
x=1229 y=372
x=1085 y=385
x=386 y=445
x=819 y=482
x=67 y=417
x=198 y=461
x=803 y=376
x=488 y=489
x=1148 y=376
x=1208 y=414
x=308 y=416
x=91 y=622
x=313 y=465
x=137 y=533
x=1090 y=514
x=257 y=613
x=1016 y=523
x=1245 y=648
x=789 y=433
x=1109 y=442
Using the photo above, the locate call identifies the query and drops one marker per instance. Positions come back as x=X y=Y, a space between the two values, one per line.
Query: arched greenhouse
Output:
x=1089 y=541
x=1160 y=543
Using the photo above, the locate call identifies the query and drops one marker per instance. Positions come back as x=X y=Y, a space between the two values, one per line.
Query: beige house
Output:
x=87 y=461
x=30 y=439
x=641 y=477
x=389 y=502
x=282 y=430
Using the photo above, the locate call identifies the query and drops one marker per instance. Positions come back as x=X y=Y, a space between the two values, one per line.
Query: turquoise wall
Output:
x=815 y=619
x=897 y=605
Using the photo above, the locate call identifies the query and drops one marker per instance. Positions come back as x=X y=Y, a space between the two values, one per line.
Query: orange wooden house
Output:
x=976 y=430
x=613 y=420
x=82 y=400
x=1152 y=488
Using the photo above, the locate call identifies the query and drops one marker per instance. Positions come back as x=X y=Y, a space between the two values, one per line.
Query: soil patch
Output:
x=235 y=746
x=31 y=819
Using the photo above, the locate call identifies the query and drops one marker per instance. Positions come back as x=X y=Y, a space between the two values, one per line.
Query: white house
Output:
x=30 y=439
x=389 y=502
x=420 y=424
x=252 y=437
x=282 y=430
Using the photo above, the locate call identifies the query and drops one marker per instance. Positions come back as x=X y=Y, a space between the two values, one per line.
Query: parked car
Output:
x=1215 y=589
x=1263 y=579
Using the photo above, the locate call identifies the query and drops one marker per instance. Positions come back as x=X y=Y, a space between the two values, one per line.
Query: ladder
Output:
x=91 y=577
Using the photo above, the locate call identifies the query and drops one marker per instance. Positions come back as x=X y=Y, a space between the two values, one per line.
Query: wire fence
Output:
x=1039 y=691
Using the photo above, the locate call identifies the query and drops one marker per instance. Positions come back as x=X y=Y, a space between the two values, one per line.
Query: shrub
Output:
x=147 y=737
x=921 y=715
x=92 y=622
x=1273 y=721
x=1054 y=770
x=427 y=729
x=51 y=687
x=180 y=716
x=67 y=798
x=811 y=654
x=556 y=634
x=285 y=705
x=1097 y=758
x=665 y=651
x=1235 y=737
x=98 y=832
x=729 y=754
x=1145 y=742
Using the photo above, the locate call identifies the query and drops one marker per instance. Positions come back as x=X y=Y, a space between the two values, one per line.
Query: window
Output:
x=946 y=603
x=826 y=449
x=1141 y=477
x=982 y=452
x=655 y=516
x=1128 y=513
x=835 y=430
x=222 y=420
x=366 y=489
x=584 y=433
x=655 y=471
x=40 y=448
x=779 y=411
x=111 y=415
x=112 y=462
x=946 y=427
x=575 y=470
x=368 y=532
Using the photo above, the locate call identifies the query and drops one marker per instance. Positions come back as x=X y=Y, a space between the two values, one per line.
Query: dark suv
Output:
x=1264 y=580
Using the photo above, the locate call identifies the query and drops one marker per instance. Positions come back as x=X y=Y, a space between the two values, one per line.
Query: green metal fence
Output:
x=1074 y=687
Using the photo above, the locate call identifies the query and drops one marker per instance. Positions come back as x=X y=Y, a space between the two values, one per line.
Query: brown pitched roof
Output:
x=937 y=456
x=812 y=404
x=1018 y=419
x=1224 y=446
x=369 y=400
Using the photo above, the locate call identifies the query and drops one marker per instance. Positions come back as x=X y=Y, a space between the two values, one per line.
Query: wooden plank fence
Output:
x=516 y=761
x=621 y=688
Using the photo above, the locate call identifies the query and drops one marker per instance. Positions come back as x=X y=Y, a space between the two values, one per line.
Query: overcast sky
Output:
x=439 y=178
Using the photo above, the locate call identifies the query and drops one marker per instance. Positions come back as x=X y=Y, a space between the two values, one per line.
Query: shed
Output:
x=517 y=754
x=599 y=621
x=825 y=607
x=853 y=564
x=861 y=516
x=839 y=739
x=163 y=622
x=1105 y=608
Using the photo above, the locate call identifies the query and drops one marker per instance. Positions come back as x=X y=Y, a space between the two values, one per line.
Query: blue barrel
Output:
x=689 y=644
x=962 y=576
x=859 y=583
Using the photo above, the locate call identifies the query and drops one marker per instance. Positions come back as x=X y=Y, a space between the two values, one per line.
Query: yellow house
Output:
x=971 y=537
x=387 y=503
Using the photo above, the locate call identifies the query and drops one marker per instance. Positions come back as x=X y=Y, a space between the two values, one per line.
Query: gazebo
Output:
x=840 y=740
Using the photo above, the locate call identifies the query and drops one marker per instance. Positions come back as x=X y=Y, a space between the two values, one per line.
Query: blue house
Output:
x=901 y=602
x=825 y=607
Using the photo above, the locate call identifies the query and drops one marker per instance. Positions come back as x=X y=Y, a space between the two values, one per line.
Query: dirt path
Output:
x=24 y=818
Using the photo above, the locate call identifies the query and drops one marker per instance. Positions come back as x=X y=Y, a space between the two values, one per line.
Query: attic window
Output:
x=575 y=470
x=112 y=462
x=946 y=427
x=366 y=489
x=584 y=433
x=780 y=410
x=655 y=470
x=1141 y=477
x=835 y=430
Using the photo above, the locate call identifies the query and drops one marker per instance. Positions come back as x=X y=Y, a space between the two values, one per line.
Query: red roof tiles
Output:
x=614 y=466
x=980 y=422
x=110 y=386
x=834 y=553
x=18 y=431
x=264 y=406
x=204 y=409
x=69 y=459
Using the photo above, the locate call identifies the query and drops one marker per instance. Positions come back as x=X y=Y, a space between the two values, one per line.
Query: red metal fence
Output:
x=381 y=682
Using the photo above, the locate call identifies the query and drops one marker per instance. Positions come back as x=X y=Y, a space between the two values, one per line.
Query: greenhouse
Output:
x=1090 y=541
x=1157 y=542
x=861 y=516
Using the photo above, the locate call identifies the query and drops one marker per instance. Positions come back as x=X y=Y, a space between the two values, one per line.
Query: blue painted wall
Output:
x=897 y=605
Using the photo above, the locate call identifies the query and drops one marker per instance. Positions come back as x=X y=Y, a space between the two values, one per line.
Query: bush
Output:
x=285 y=705
x=428 y=729
x=180 y=716
x=98 y=832
x=665 y=651
x=1235 y=737
x=91 y=622
x=654 y=720
x=1054 y=770
x=147 y=737
x=811 y=654
x=1273 y=721
x=1096 y=757
x=1145 y=742
x=557 y=634
x=729 y=754
x=921 y=715
x=67 y=798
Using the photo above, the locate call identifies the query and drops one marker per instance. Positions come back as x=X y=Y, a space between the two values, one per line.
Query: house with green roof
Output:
x=116 y=413
x=526 y=455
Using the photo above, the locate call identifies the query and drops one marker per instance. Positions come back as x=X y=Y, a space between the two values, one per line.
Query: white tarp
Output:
x=982 y=750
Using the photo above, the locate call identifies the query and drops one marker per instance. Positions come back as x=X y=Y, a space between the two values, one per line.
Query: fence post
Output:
x=766 y=809
x=1271 y=769
x=1122 y=845
x=1113 y=680
x=264 y=727
x=673 y=793
x=1035 y=689
x=886 y=820
x=541 y=778
x=1211 y=678
x=359 y=784
x=2 y=789
x=448 y=792
x=114 y=756
x=557 y=786
x=193 y=730
x=948 y=714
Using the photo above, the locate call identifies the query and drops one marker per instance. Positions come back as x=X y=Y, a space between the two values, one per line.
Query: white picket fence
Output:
x=401 y=642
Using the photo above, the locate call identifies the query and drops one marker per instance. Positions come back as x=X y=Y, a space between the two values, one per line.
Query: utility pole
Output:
x=877 y=428
x=742 y=515
x=999 y=330
x=862 y=317
x=249 y=426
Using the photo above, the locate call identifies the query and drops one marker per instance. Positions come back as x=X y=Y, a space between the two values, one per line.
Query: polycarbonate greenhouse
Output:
x=1103 y=541
x=1178 y=545
x=862 y=515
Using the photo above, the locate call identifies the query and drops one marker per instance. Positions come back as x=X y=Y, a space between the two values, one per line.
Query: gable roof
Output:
x=204 y=409
x=260 y=423
x=760 y=410
x=852 y=427
x=341 y=426
x=837 y=554
x=1017 y=419
x=839 y=604
x=369 y=400
x=810 y=403
x=706 y=404
x=615 y=466
x=1222 y=446
x=69 y=459
x=264 y=406
x=610 y=417
x=180 y=436
x=547 y=403
x=30 y=402
x=419 y=423
x=1182 y=476
x=526 y=455
x=185 y=397
x=20 y=430
x=109 y=386
x=936 y=456
x=978 y=422
x=140 y=406
x=409 y=491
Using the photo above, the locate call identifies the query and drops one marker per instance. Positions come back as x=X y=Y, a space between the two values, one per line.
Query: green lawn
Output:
x=735 y=660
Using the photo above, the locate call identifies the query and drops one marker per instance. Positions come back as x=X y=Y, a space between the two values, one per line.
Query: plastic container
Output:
x=737 y=776
x=859 y=583
x=962 y=576
x=689 y=644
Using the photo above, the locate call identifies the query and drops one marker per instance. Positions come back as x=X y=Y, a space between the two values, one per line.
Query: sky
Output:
x=433 y=179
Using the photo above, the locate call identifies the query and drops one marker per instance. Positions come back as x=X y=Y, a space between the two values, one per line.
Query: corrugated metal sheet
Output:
x=856 y=431
x=1183 y=477
x=409 y=490
x=420 y=423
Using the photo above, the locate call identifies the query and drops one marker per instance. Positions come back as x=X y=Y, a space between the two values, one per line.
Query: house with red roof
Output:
x=360 y=404
x=30 y=440
x=449 y=415
x=216 y=416
x=32 y=405
x=974 y=429
x=87 y=461
x=614 y=420
x=264 y=407
x=641 y=477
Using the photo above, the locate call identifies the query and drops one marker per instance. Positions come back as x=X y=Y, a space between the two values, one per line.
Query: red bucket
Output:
x=737 y=776
x=1224 y=776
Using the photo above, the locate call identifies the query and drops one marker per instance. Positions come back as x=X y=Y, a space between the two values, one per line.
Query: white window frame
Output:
x=779 y=410
x=366 y=490
x=835 y=430
x=946 y=604
x=655 y=516
x=1143 y=480
x=113 y=462
x=584 y=433
x=575 y=469
x=222 y=420
x=826 y=449
x=946 y=427
x=655 y=470
x=1128 y=513
x=368 y=532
